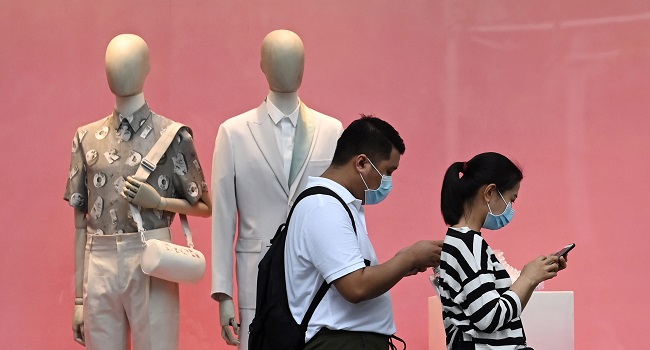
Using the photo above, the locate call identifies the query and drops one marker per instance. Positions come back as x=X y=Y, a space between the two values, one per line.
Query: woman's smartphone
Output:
x=565 y=250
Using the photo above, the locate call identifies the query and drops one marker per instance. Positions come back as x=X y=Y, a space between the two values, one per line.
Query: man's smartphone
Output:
x=565 y=250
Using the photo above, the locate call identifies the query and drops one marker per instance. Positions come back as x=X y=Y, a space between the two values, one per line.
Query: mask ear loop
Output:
x=489 y=209
x=364 y=182
x=504 y=200
x=377 y=170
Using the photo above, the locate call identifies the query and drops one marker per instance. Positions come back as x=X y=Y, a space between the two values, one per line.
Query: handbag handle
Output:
x=147 y=166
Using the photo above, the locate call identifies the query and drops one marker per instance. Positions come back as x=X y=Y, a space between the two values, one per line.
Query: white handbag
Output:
x=171 y=261
x=161 y=259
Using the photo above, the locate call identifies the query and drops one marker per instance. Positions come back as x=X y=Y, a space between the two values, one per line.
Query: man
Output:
x=322 y=244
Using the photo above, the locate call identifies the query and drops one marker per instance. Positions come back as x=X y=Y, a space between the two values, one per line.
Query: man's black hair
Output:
x=370 y=136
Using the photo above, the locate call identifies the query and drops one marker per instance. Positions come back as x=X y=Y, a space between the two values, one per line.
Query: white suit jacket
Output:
x=251 y=194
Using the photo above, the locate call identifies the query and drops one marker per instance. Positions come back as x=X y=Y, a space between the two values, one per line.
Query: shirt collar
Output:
x=337 y=188
x=464 y=229
x=137 y=119
x=277 y=115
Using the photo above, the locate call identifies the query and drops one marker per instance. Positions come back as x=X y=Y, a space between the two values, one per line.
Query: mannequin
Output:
x=101 y=189
x=274 y=159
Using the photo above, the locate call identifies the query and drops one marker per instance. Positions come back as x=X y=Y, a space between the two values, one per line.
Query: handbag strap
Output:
x=147 y=166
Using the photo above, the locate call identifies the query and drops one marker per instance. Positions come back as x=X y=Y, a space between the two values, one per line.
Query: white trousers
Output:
x=119 y=299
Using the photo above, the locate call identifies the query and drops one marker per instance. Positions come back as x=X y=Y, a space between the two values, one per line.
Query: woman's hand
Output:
x=562 y=263
x=541 y=269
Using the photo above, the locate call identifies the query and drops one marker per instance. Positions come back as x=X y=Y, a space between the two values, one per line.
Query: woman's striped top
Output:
x=479 y=310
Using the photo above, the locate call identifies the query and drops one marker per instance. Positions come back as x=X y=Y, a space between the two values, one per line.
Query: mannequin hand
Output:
x=141 y=194
x=78 y=325
x=227 y=320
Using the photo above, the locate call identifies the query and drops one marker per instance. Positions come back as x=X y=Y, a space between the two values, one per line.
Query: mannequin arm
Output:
x=224 y=227
x=79 y=253
x=202 y=208
x=227 y=318
x=142 y=194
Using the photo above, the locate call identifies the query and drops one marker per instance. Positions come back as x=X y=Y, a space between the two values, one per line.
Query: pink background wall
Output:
x=559 y=86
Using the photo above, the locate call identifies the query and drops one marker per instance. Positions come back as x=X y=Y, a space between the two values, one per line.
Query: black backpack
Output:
x=273 y=327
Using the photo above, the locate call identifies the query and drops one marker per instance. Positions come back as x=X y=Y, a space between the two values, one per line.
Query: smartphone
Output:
x=564 y=251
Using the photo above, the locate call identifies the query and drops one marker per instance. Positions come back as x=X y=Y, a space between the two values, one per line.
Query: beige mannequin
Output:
x=282 y=62
x=127 y=65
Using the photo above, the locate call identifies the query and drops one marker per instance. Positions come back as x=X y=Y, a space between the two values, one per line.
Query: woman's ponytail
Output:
x=451 y=201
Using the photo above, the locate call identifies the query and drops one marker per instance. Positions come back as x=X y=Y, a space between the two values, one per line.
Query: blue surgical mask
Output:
x=378 y=195
x=495 y=222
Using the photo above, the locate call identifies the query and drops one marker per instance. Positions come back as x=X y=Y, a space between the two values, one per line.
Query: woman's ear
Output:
x=488 y=192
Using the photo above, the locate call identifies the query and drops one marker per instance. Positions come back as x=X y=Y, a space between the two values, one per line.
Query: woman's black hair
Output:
x=483 y=169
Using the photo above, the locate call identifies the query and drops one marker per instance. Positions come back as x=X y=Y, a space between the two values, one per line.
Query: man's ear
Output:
x=360 y=162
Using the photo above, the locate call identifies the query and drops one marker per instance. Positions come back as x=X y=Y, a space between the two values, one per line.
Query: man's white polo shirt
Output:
x=321 y=243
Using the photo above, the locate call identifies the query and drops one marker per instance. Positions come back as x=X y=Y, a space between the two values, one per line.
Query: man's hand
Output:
x=424 y=254
x=78 y=325
x=141 y=194
x=228 y=322
x=414 y=271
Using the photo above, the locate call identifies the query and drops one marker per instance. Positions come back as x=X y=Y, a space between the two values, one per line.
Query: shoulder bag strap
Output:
x=148 y=165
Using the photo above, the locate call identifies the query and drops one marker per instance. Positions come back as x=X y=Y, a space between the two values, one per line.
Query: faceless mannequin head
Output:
x=283 y=60
x=127 y=64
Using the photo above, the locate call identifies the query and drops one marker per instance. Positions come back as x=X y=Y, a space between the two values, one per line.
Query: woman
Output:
x=481 y=306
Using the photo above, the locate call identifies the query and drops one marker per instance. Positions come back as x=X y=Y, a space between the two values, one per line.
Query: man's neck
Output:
x=286 y=102
x=127 y=105
x=341 y=177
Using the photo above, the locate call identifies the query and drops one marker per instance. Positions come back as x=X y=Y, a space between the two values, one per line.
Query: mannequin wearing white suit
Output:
x=252 y=187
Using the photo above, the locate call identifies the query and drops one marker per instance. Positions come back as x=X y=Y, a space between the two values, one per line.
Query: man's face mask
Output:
x=495 y=222
x=378 y=195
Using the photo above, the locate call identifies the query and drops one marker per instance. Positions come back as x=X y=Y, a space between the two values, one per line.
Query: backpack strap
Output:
x=321 y=190
x=325 y=286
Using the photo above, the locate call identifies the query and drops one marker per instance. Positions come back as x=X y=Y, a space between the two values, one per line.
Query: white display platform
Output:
x=547 y=319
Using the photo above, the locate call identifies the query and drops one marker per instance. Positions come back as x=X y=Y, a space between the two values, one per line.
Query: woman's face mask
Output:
x=494 y=221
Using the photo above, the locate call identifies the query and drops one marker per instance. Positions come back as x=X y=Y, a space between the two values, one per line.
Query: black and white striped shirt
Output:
x=478 y=308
